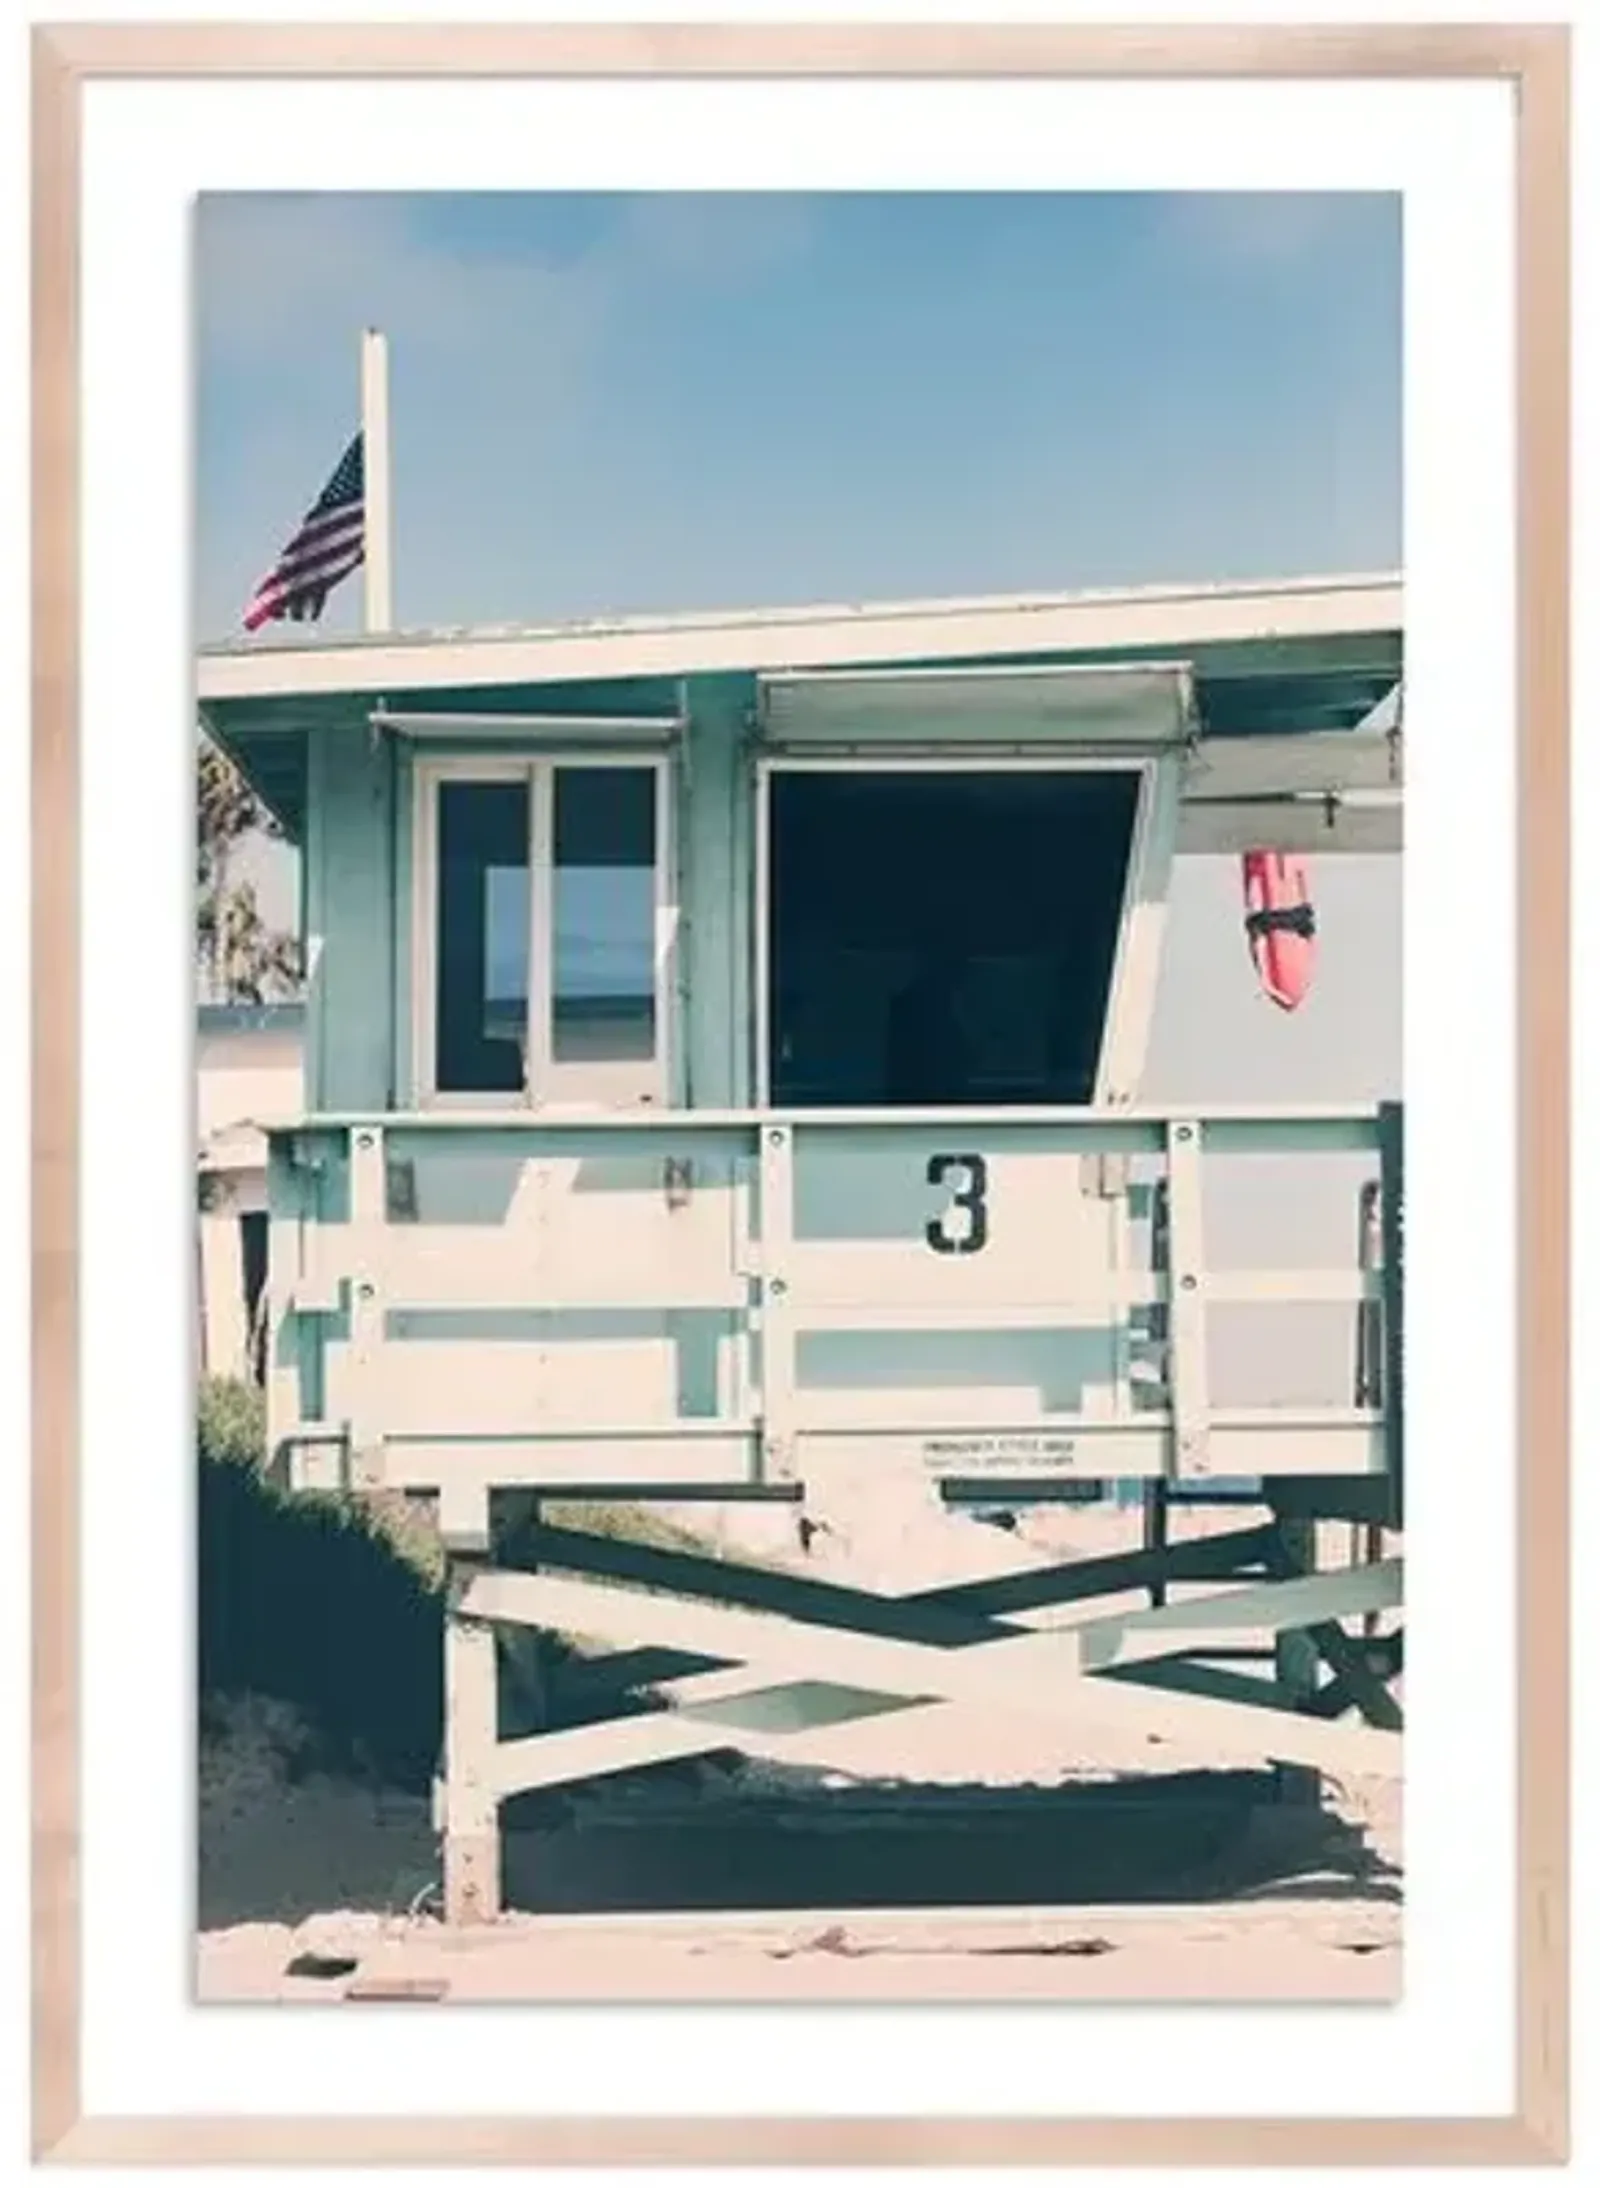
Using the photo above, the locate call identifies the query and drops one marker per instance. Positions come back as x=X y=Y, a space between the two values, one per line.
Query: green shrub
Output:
x=618 y=1521
x=334 y=1603
x=317 y=1601
x=231 y=1421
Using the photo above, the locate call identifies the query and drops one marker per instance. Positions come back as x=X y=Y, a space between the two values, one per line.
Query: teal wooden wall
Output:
x=351 y=909
x=716 y=854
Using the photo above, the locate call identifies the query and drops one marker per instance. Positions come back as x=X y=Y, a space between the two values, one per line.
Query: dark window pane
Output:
x=604 y=1007
x=482 y=998
x=944 y=938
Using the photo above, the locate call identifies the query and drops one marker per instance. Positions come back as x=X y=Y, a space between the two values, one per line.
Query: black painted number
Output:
x=948 y=1233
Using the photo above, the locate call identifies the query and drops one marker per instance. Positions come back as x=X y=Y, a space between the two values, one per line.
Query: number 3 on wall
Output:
x=967 y=1199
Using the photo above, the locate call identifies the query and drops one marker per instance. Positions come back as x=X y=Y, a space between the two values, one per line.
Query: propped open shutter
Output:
x=533 y=732
x=1139 y=707
x=1317 y=764
x=1331 y=791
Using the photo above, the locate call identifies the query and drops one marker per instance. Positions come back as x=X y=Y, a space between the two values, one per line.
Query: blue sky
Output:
x=624 y=402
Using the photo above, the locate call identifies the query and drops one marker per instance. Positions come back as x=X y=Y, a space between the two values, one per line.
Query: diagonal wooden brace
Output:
x=1033 y=1674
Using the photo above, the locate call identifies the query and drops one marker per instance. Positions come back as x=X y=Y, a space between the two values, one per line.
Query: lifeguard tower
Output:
x=723 y=1051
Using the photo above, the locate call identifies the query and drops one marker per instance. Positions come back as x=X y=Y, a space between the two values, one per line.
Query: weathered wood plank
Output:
x=637 y=1459
x=1187 y=1371
x=471 y=1820
x=1231 y=1613
x=596 y=1751
x=1016 y=1445
x=464 y=1513
x=1034 y=1675
x=776 y=1251
x=1392 y=1202
x=956 y=1615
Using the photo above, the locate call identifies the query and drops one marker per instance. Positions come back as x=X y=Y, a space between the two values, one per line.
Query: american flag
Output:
x=328 y=545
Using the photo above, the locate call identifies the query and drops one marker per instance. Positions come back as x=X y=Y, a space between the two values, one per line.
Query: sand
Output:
x=938 y=1855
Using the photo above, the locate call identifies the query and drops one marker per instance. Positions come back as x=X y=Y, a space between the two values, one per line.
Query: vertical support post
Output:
x=364 y=1416
x=777 y=1324
x=1366 y=1542
x=1155 y=1536
x=520 y=1651
x=743 y=1383
x=1294 y=1657
x=284 y=1217
x=1369 y=1313
x=224 y=1320
x=1155 y=1493
x=471 y=1730
x=1391 y=1172
x=1187 y=1374
x=464 y=1512
x=375 y=480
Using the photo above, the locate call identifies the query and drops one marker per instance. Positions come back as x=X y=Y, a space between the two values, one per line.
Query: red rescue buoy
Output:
x=1280 y=924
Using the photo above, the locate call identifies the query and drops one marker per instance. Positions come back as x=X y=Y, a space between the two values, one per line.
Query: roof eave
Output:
x=1089 y=622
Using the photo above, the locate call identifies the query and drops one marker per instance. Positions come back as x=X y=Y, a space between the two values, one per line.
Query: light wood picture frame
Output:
x=1533 y=59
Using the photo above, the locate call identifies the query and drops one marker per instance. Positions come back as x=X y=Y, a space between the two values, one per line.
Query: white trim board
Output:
x=1172 y=617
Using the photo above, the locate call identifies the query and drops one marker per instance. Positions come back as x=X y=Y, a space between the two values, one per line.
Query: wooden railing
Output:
x=712 y=1301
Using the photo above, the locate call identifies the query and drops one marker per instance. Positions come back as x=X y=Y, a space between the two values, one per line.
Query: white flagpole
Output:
x=375 y=481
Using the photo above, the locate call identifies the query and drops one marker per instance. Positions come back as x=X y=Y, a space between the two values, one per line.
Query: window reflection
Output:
x=604 y=913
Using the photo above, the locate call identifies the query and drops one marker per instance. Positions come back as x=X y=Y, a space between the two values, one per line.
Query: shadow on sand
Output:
x=691 y=1838
x=796 y=1841
x=321 y=1661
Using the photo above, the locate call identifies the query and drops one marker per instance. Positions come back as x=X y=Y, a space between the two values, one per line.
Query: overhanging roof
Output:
x=1303 y=657
x=1193 y=620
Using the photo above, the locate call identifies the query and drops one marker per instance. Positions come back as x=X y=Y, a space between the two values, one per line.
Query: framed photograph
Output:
x=800 y=1140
